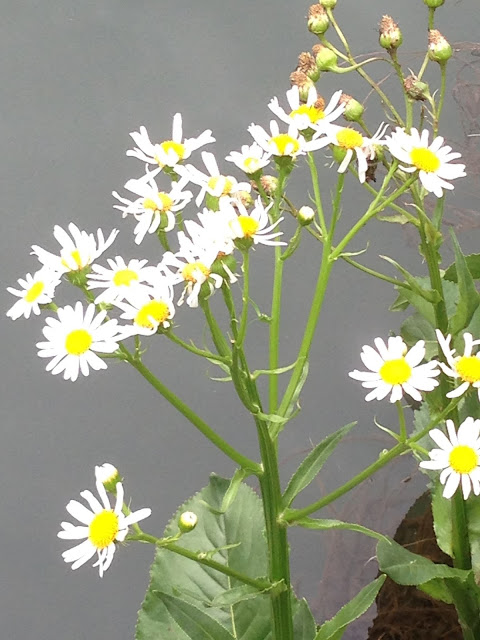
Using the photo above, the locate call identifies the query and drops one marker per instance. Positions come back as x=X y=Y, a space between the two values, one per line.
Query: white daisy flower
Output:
x=432 y=161
x=77 y=251
x=310 y=115
x=73 y=338
x=213 y=183
x=353 y=142
x=290 y=144
x=154 y=208
x=101 y=526
x=192 y=265
x=464 y=368
x=214 y=230
x=250 y=159
x=35 y=290
x=254 y=226
x=169 y=152
x=149 y=309
x=395 y=369
x=458 y=457
x=121 y=280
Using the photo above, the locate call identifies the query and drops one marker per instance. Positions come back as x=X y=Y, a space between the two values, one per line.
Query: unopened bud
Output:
x=187 y=521
x=434 y=4
x=269 y=184
x=303 y=82
x=353 y=109
x=305 y=215
x=325 y=58
x=390 y=35
x=317 y=20
x=416 y=89
x=308 y=66
x=439 y=50
x=243 y=197
x=328 y=4
x=108 y=475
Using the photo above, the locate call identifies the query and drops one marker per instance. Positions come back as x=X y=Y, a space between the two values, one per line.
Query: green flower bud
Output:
x=308 y=66
x=303 y=83
x=353 y=109
x=108 y=475
x=305 y=215
x=328 y=4
x=416 y=89
x=317 y=20
x=390 y=35
x=439 y=50
x=325 y=58
x=434 y=4
x=187 y=521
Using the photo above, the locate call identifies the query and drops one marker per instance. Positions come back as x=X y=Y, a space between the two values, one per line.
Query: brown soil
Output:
x=405 y=613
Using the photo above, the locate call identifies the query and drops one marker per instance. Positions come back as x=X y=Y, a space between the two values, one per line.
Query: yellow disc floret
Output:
x=349 y=138
x=313 y=113
x=78 y=342
x=285 y=145
x=463 y=459
x=165 y=203
x=225 y=182
x=425 y=160
x=103 y=529
x=249 y=226
x=156 y=310
x=125 y=277
x=468 y=368
x=190 y=271
x=34 y=292
x=395 y=371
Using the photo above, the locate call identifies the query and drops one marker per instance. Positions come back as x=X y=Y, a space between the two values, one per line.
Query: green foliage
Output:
x=473 y=265
x=469 y=296
x=324 y=524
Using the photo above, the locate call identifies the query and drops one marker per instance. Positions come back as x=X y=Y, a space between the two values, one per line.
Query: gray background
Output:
x=76 y=79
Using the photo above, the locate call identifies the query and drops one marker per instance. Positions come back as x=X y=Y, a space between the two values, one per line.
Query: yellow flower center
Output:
x=424 y=159
x=155 y=310
x=395 y=371
x=463 y=459
x=226 y=183
x=165 y=204
x=250 y=165
x=188 y=271
x=124 y=277
x=177 y=147
x=103 y=529
x=249 y=226
x=468 y=368
x=75 y=254
x=349 y=138
x=285 y=145
x=78 y=341
x=34 y=292
x=313 y=113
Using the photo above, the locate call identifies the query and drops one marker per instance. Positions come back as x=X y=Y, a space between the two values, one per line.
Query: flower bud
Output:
x=353 y=109
x=108 y=475
x=308 y=66
x=390 y=35
x=317 y=21
x=269 y=184
x=325 y=59
x=416 y=89
x=305 y=215
x=328 y=4
x=434 y=4
x=244 y=197
x=303 y=82
x=439 y=50
x=187 y=521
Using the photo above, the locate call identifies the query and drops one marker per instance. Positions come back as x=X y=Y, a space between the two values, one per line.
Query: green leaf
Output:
x=304 y=627
x=416 y=328
x=293 y=406
x=235 y=595
x=442 y=518
x=426 y=293
x=469 y=297
x=313 y=523
x=312 y=464
x=473 y=519
x=473 y=265
x=351 y=611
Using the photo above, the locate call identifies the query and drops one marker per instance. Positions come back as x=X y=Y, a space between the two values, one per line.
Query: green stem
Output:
x=443 y=86
x=218 y=338
x=193 y=349
x=242 y=331
x=316 y=192
x=401 y=422
x=376 y=274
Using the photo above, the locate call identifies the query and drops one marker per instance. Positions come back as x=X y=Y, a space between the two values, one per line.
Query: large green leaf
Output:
x=473 y=264
x=184 y=595
x=311 y=465
x=416 y=328
x=469 y=296
x=334 y=627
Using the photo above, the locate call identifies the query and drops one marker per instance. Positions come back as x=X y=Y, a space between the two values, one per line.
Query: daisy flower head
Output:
x=393 y=368
x=213 y=184
x=35 y=290
x=154 y=209
x=100 y=528
x=213 y=229
x=458 y=457
x=253 y=227
x=149 y=309
x=108 y=475
x=78 y=250
x=433 y=162
x=349 y=141
x=251 y=159
x=465 y=369
x=73 y=338
x=312 y=114
x=192 y=266
x=283 y=145
x=121 y=280
x=169 y=152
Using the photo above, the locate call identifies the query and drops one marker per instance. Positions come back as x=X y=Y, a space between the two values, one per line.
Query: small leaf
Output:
x=323 y=524
x=473 y=265
x=235 y=595
x=312 y=464
x=416 y=328
x=427 y=294
x=351 y=611
x=469 y=297
x=231 y=492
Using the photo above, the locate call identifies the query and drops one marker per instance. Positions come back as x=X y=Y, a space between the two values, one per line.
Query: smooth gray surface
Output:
x=76 y=78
